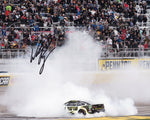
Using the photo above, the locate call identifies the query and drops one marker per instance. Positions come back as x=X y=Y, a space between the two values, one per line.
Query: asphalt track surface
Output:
x=13 y=117
x=143 y=114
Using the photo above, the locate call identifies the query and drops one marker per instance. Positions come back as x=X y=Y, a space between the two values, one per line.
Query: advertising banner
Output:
x=109 y=64
x=4 y=80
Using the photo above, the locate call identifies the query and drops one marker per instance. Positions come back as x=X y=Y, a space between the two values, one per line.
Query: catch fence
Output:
x=105 y=54
x=12 y=53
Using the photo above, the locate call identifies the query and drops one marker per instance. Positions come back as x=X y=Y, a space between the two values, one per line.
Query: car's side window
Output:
x=72 y=104
x=82 y=103
x=79 y=104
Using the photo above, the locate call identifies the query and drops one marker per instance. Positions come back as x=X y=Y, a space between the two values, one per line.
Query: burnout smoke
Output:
x=63 y=79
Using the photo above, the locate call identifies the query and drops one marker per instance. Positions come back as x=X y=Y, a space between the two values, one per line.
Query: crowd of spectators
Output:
x=16 y=39
x=113 y=22
x=81 y=13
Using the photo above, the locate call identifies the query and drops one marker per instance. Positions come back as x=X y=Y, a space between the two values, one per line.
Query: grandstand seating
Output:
x=112 y=21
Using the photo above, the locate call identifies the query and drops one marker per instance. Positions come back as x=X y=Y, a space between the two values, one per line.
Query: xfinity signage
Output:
x=4 y=80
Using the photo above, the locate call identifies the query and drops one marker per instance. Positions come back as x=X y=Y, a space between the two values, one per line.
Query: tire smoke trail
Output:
x=62 y=80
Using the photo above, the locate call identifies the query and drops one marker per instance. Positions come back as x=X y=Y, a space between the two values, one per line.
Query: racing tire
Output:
x=82 y=112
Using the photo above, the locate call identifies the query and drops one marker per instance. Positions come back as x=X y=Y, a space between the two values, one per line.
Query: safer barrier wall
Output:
x=111 y=64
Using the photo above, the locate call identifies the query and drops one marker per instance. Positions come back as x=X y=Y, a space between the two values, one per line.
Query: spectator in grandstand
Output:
x=3 y=30
x=135 y=45
x=109 y=42
x=146 y=44
x=31 y=21
x=55 y=18
x=36 y=28
x=14 y=45
x=7 y=12
x=144 y=18
x=117 y=46
x=24 y=19
x=141 y=46
x=119 y=39
x=55 y=30
x=2 y=45
x=17 y=37
x=135 y=18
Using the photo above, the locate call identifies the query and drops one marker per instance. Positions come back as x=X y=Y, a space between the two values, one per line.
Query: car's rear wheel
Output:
x=82 y=112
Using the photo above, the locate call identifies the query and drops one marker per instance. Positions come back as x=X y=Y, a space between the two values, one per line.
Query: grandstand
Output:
x=121 y=26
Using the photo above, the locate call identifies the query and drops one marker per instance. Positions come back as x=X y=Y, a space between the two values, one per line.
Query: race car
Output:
x=81 y=107
x=4 y=78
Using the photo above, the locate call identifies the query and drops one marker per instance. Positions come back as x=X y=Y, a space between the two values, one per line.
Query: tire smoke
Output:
x=43 y=95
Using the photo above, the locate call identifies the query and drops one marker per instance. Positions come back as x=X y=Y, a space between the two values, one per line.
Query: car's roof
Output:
x=76 y=101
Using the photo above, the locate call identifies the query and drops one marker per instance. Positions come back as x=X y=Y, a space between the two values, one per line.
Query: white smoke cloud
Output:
x=62 y=80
